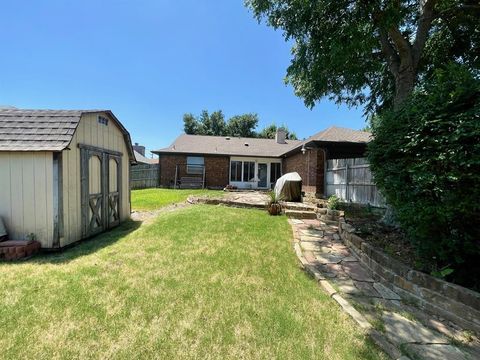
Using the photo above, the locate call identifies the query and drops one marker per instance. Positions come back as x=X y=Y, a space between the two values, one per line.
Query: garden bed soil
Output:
x=390 y=239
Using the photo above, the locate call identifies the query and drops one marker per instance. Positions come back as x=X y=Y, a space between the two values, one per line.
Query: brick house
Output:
x=252 y=163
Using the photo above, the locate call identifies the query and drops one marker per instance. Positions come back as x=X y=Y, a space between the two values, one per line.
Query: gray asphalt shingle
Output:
x=222 y=145
x=340 y=134
x=38 y=130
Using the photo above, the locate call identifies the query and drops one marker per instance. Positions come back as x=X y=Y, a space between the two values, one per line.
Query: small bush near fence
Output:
x=426 y=161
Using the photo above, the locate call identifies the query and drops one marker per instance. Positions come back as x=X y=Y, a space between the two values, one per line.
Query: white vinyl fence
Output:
x=144 y=176
x=352 y=181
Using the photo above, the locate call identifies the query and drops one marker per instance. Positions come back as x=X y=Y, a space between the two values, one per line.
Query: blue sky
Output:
x=151 y=61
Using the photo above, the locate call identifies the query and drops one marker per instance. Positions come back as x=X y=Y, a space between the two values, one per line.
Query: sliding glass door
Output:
x=262 y=175
x=254 y=173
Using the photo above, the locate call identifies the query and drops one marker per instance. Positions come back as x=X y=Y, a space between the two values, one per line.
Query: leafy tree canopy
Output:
x=426 y=161
x=237 y=126
x=371 y=52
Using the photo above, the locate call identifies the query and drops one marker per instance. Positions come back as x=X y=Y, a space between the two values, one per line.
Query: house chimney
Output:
x=280 y=136
x=139 y=148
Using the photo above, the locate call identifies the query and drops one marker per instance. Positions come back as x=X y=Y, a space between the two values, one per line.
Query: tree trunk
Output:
x=404 y=84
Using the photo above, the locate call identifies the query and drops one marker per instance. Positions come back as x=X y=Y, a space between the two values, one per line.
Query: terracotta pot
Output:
x=274 y=209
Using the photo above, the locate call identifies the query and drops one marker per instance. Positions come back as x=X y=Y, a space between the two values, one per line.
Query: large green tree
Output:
x=242 y=125
x=213 y=124
x=371 y=52
x=190 y=124
x=206 y=124
x=239 y=125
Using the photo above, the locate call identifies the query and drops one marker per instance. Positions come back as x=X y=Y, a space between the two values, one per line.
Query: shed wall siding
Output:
x=26 y=195
x=90 y=132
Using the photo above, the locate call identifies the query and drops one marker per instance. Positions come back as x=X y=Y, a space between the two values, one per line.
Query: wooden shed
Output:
x=64 y=175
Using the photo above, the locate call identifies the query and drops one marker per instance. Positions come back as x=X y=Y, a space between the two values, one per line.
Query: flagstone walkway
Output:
x=392 y=324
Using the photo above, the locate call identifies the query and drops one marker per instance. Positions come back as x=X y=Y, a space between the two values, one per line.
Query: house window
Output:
x=236 y=171
x=195 y=165
x=248 y=171
x=275 y=171
x=103 y=120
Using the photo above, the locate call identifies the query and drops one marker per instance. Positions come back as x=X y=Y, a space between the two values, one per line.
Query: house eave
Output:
x=160 y=152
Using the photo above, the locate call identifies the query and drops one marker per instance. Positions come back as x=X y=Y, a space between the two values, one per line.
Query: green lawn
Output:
x=203 y=282
x=152 y=199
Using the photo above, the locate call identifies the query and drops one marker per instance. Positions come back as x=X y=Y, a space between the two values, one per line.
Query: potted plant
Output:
x=273 y=206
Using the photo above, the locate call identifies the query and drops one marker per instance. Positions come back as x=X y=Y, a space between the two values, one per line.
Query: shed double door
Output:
x=101 y=179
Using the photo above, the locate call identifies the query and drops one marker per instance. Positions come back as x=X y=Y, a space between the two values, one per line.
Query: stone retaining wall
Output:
x=226 y=202
x=455 y=303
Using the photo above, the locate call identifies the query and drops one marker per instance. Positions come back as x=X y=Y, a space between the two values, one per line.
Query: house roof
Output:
x=222 y=145
x=143 y=159
x=340 y=134
x=44 y=130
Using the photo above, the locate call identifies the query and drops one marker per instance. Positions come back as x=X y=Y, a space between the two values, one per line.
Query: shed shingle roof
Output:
x=34 y=130
x=44 y=130
x=221 y=145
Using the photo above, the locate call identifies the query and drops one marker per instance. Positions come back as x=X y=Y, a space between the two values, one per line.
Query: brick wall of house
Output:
x=167 y=168
x=216 y=170
x=310 y=166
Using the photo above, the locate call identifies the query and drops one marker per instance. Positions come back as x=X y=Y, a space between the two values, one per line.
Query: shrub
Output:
x=426 y=161
x=333 y=202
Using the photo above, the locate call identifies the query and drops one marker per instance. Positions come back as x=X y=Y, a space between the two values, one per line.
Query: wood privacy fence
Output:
x=352 y=181
x=144 y=176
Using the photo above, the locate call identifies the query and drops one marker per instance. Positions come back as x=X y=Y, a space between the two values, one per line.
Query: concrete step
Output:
x=297 y=206
x=321 y=203
x=297 y=214
x=328 y=222
x=329 y=217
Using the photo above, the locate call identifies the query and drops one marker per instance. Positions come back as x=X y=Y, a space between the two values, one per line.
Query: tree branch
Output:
x=389 y=52
x=403 y=45
x=424 y=25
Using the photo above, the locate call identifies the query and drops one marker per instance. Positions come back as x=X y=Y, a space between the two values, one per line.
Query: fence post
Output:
x=346 y=182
